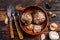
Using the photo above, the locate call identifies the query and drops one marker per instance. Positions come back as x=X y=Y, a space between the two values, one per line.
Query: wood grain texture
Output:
x=4 y=29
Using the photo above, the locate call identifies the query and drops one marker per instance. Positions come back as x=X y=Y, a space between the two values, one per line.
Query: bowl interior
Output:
x=30 y=10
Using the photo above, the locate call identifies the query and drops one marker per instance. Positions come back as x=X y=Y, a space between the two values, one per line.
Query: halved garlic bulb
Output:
x=53 y=26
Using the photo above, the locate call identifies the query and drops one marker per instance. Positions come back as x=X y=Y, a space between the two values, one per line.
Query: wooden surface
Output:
x=4 y=29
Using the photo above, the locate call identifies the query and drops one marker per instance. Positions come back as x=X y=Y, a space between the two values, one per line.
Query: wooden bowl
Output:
x=30 y=10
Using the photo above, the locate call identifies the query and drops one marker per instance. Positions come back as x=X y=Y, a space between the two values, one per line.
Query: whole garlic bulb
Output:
x=38 y=17
x=37 y=28
x=26 y=18
x=53 y=35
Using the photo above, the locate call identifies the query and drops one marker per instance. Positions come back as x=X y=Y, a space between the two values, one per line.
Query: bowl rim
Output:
x=46 y=19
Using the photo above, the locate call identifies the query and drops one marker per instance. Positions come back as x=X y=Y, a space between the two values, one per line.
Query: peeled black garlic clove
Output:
x=6 y=20
x=42 y=36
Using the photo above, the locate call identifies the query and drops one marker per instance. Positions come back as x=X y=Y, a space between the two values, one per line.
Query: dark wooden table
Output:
x=55 y=8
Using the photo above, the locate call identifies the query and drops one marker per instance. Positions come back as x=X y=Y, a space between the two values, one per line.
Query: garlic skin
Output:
x=53 y=26
x=37 y=28
x=6 y=20
x=42 y=36
x=53 y=35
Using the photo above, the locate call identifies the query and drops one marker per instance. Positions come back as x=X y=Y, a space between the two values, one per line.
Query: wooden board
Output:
x=4 y=29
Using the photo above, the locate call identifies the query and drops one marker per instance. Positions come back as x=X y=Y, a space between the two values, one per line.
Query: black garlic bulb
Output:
x=38 y=17
x=26 y=18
